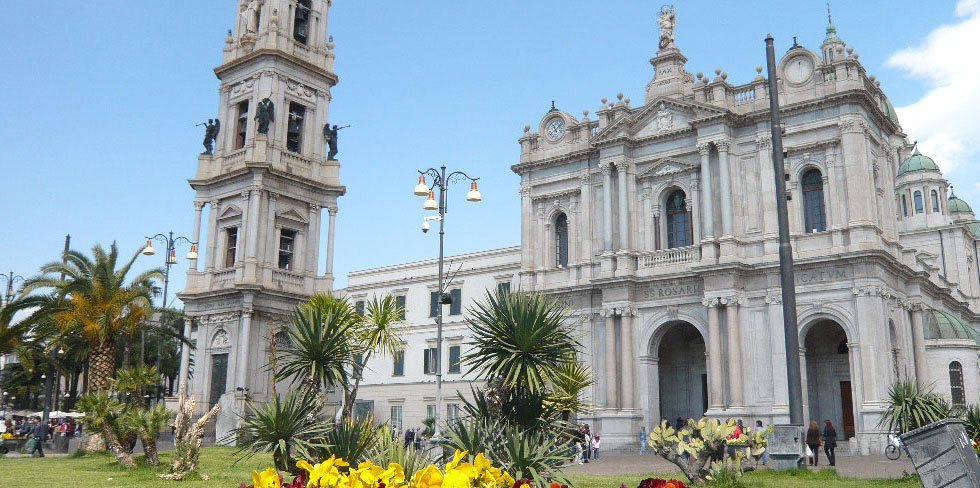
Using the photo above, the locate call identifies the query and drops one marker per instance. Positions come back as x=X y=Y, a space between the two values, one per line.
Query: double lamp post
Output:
x=441 y=182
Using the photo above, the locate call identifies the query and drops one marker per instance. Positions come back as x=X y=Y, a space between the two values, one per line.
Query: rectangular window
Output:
x=454 y=363
x=429 y=361
x=430 y=411
x=398 y=363
x=231 y=246
x=359 y=307
x=363 y=409
x=433 y=303
x=917 y=200
x=241 y=124
x=294 y=128
x=456 y=307
x=287 y=241
x=400 y=303
x=301 y=21
x=452 y=412
x=358 y=365
x=396 y=416
x=503 y=287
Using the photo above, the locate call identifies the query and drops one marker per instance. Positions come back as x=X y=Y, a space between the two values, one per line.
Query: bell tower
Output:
x=266 y=182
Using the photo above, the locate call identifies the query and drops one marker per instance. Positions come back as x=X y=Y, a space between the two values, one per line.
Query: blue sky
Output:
x=101 y=99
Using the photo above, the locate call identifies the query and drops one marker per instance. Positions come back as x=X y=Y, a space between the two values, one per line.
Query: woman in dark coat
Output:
x=813 y=442
x=829 y=441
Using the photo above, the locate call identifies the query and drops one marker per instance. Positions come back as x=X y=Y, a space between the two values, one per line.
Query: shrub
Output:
x=281 y=427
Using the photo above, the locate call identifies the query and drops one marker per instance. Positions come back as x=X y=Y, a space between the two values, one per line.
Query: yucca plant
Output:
x=971 y=420
x=571 y=380
x=378 y=332
x=349 y=439
x=911 y=406
x=133 y=381
x=147 y=423
x=102 y=415
x=387 y=449
x=281 y=427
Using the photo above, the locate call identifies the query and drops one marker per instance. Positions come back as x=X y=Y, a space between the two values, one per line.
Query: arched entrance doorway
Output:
x=828 y=377
x=683 y=372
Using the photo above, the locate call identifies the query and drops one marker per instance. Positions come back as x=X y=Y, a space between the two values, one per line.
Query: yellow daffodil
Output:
x=325 y=474
x=457 y=457
x=266 y=479
x=427 y=477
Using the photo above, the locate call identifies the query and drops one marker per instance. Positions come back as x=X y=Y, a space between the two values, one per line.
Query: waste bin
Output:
x=785 y=446
x=943 y=455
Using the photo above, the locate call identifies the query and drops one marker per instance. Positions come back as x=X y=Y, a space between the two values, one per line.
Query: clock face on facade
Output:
x=799 y=69
x=555 y=128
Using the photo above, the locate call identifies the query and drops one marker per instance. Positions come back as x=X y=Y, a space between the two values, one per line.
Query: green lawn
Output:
x=101 y=470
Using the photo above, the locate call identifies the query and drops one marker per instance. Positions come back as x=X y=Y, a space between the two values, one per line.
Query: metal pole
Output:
x=49 y=381
x=442 y=226
x=786 y=279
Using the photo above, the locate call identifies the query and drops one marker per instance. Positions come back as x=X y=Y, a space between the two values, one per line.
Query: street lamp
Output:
x=171 y=258
x=441 y=182
x=11 y=278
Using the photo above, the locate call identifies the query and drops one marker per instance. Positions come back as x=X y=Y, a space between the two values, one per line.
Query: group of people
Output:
x=584 y=444
x=40 y=432
x=413 y=438
x=814 y=441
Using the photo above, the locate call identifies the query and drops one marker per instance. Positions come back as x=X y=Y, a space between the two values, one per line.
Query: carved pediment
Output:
x=661 y=116
x=291 y=214
x=230 y=212
x=667 y=167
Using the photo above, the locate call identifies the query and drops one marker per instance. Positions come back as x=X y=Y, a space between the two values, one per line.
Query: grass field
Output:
x=100 y=470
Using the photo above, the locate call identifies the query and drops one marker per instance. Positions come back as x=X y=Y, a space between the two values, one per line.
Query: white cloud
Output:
x=944 y=120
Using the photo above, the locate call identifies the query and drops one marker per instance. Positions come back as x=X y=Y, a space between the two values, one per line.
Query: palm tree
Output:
x=14 y=335
x=522 y=339
x=95 y=300
x=320 y=335
x=102 y=412
x=379 y=332
x=134 y=380
x=147 y=423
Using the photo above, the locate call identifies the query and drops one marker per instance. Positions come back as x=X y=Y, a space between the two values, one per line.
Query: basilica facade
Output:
x=655 y=223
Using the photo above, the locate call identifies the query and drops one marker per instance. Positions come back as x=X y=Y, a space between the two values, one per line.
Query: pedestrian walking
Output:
x=813 y=442
x=40 y=433
x=829 y=441
x=643 y=439
x=595 y=447
x=409 y=437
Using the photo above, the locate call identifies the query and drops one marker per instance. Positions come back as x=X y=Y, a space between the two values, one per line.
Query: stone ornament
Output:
x=265 y=114
x=220 y=339
x=665 y=119
x=667 y=19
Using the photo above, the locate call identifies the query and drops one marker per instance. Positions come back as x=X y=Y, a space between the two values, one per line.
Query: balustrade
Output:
x=670 y=257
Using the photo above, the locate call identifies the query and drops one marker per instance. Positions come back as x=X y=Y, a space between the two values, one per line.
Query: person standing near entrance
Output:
x=595 y=448
x=643 y=439
x=829 y=441
x=813 y=442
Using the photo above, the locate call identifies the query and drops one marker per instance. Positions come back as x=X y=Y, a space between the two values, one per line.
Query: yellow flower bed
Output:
x=327 y=474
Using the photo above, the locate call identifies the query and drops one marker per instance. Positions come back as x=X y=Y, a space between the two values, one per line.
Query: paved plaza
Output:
x=854 y=466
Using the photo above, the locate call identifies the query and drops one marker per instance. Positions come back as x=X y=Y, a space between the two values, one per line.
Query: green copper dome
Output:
x=890 y=111
x=943 y=325
x=917 y=162
x=974 y=228
x=831 y=34
x=956 y=205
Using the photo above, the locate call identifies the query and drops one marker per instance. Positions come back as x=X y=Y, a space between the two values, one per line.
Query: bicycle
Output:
x=892 y=450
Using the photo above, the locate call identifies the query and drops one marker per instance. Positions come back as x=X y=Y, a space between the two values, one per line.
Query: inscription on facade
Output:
x=674 y=290
x=804 y=276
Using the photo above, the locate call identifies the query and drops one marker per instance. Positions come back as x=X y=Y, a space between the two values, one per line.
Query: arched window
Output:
x=301 y=21
x=956 y=384
x=905 y=207
x=678 y=221
x=917 y=201
x=935 y=201
x=814 y=214
x=561 y=240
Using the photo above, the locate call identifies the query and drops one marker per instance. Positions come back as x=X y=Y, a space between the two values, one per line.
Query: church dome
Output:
x=832 y=34
x=917 y=162
x=943 y=325
x=956 y=205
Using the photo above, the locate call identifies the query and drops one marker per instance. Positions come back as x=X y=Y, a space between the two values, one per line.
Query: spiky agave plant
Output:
x=349 y=439
x=912 y=406
x=281 y=427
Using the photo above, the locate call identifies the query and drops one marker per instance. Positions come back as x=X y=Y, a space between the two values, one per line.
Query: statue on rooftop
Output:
x=265 y=114
x=330 y=134
x=250 y=15
x=667 y=19
x=211 y=128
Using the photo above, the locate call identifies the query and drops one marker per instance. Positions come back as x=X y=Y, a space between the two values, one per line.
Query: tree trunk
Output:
x=150 y=450
x=102 y=365
x=350 y=395
x=123 y=456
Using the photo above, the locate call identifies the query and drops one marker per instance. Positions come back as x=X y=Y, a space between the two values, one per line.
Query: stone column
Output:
x=198 y=206
x=626 y=356
x=736 y=396
x=586 y=235
x=857 y=171
x=622 y=167
x=726 y=189
x=657 y=233
x=270 y=240
x=607 y=243
x=212 y=235
x=244 y=334
x=314 y=241
x=707 y=224
x=241 y=248
x=611 y=377
x=647 y=232
x=332 y=211
x=715 y=383
x=695 y=202
x=919 y=346
x=253 y=223
x=526 y=219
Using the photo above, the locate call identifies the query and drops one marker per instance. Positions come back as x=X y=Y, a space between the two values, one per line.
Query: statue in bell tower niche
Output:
x=250 y=16
x=667 y=19
x=265 y=114
x=211 y=128
x=330 y=134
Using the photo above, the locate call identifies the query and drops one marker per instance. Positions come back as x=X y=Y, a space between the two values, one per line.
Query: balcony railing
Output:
x=287 y=279
x=222 y=278
x=670 y=257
